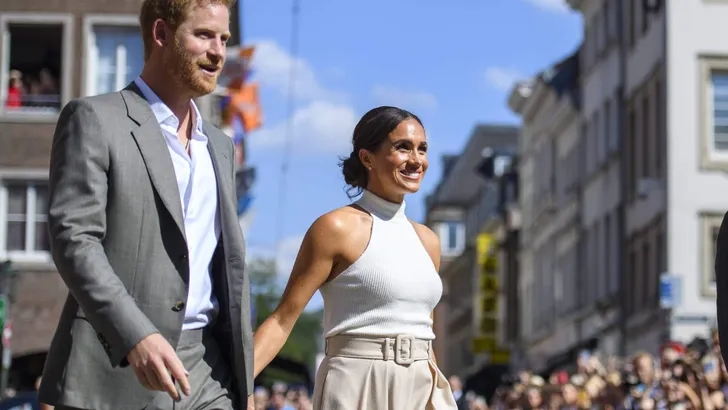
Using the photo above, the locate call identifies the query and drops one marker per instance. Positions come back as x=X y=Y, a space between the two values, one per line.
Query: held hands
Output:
x=152 y=360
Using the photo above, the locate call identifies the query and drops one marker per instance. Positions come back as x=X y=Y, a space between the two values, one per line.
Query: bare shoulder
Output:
x=429 y=240
x=340 y=225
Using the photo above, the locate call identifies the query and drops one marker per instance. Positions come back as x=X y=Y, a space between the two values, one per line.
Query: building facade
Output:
x=601 y=62
x=667 y=56
x=553 y=284
x=456 y=211
x=56 y=51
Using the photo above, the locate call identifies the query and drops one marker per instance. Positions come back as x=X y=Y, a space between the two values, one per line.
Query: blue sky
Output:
x=453 y=65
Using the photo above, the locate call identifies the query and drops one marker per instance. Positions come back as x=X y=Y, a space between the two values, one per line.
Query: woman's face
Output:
x=534 y=398
x=570 y=394
x=400 y=163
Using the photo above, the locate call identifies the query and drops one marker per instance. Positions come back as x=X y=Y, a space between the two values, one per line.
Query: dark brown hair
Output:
x=371 y=131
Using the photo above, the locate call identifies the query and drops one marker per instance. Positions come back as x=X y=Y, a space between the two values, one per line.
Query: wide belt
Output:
x=403 y=349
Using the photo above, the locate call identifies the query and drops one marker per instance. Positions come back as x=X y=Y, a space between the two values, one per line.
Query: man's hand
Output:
x=251 y=403
x=152 y=360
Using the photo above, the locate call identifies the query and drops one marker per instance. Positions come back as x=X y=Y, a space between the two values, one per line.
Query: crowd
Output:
x=682 y=377
x=282 y=397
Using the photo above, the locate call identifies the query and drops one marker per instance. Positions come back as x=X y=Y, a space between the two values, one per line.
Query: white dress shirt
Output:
x=197 y=185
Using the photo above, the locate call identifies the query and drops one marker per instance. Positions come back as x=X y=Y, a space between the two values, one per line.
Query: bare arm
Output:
x=312 y=268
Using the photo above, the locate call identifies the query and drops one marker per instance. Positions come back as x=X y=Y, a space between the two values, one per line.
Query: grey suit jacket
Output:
x=118 y=241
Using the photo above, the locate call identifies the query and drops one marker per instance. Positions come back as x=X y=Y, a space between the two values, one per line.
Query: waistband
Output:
x=403 y=349
x=192 y=337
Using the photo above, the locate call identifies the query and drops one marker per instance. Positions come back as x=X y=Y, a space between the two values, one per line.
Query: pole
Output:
x=6 y=359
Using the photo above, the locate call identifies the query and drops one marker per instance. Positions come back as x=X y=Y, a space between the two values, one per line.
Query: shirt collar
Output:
x=162 y=112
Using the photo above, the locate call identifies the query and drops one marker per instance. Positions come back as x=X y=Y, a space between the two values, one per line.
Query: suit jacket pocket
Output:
x=89 y=373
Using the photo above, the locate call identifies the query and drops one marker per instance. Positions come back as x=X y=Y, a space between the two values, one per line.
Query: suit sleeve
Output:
x=78 y=187
x=721 y=278
x=246 y=326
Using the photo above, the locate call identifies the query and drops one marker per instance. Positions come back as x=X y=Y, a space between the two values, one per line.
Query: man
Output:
x=144 y=232
x=457 y=390
x=721 y=287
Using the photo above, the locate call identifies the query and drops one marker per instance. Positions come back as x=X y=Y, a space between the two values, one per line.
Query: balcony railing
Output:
x=32 y=104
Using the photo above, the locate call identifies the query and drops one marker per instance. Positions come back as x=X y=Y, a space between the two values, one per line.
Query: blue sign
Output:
x=670 y=291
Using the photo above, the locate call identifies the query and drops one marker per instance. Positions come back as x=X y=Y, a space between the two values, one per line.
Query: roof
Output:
x=461 y=181
x=563 y=77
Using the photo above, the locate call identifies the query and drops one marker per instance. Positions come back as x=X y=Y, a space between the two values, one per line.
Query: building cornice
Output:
x=521 y=92
x=575 y=5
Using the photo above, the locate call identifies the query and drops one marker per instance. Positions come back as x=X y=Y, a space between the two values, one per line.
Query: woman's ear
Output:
x=366 y=158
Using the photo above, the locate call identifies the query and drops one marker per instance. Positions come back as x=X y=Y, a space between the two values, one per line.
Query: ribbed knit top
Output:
x=392 y=288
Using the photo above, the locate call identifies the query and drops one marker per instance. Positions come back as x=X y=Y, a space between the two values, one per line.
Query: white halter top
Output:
x=392 y=288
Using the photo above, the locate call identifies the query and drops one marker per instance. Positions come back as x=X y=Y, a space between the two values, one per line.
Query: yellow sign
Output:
x=489 y=283
x=484 y=344
x=484 y=243
x=498 y=356
x=487 y=341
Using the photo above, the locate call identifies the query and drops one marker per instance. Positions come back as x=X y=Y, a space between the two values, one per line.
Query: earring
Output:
x=370 y=168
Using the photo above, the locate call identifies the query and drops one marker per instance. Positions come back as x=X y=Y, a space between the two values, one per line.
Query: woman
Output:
x=377 y=272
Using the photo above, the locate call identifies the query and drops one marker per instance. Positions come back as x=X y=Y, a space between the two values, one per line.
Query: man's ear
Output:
x=160 y=32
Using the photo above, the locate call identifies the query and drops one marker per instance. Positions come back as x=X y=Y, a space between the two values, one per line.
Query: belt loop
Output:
x=388 y=342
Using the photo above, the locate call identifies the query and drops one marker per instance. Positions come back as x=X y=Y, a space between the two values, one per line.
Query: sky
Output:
x=451 y=63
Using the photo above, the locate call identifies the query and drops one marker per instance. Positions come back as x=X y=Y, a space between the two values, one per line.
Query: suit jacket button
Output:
x=178 y=306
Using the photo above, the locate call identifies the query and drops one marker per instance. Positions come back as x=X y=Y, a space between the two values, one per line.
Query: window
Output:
x=645 y=137
x=714 y=113
x=607 y=140
x=115 y=53
x=452 y=238
x=35 y=76
x=647 y=275
x=659 y=127
x=632 y=288
x=709 y=234
x=608 y=261
x=719 y=90
x=23 y=220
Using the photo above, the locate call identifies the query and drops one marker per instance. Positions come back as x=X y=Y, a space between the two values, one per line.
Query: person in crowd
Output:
x=16 y=91
x=457 y=390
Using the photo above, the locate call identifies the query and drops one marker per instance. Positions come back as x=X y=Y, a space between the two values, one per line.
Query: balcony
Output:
x=35 y=66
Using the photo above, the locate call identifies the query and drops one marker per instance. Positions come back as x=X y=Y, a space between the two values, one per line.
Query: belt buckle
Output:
x=404 y=349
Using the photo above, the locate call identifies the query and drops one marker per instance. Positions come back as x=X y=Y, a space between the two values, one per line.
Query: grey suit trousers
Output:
x=210 y=378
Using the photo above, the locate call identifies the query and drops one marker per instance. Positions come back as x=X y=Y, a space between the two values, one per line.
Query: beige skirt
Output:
x=380 y=373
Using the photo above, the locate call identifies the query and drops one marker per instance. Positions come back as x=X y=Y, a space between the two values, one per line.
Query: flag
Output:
x=246 y=104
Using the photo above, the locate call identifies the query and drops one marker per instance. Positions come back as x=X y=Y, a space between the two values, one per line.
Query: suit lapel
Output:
x=154 y=150
x=223 y=189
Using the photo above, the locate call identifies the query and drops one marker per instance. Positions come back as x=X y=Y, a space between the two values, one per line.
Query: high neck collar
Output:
x=381 y=207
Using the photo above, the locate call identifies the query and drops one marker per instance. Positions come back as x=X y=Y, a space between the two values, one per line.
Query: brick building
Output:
x=56 y=50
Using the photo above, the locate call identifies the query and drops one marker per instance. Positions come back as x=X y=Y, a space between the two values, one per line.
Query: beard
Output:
x=184 y=69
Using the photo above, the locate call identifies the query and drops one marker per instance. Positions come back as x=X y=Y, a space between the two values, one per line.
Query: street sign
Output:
x=670 y=291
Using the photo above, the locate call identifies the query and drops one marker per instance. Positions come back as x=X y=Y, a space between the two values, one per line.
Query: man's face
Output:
x=196 y=54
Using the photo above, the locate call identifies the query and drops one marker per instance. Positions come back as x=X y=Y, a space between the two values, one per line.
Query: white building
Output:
x=549 y=170
x=669 y=69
